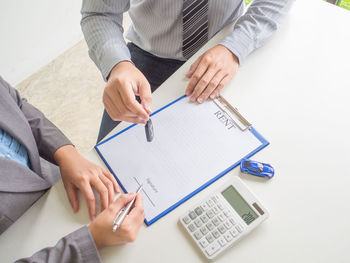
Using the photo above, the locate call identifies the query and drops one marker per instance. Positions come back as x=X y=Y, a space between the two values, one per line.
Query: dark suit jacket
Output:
x=20 y=186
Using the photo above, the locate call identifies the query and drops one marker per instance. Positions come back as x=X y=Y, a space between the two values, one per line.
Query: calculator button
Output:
x=198 y=222
x=222 y=229
x=234 y=232
x=204 y=218
x=239 y=228
x=210 y=238
x=221 y=217
x=227 y=213
x=192 y=215
x=205 y=206
x=233 y=222
x=186 y=220
x=227 y=224
x=216 y=221
x=204 y=230
x=192 y=227
x=222 y=241
x=198 y=211
x=198 y=235
x=204 y=243
x=210 y=213
x=216 y=210
x=210 y=203
x=220 y=207
x=215 y=199
x=210 y=226
x=215 y=233
x=213 y=248
x=228 y=236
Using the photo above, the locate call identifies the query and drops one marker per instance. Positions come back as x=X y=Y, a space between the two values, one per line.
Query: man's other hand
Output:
x=210 y=73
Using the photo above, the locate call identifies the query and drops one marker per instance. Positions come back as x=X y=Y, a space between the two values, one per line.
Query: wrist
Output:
x=235 y=58
x=119 y=66
x=95 y=236
x=63 y=153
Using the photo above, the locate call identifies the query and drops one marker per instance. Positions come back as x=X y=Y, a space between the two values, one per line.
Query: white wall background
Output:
x=34 y=32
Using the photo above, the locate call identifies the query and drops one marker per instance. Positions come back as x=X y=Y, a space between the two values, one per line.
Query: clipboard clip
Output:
x=232 y=113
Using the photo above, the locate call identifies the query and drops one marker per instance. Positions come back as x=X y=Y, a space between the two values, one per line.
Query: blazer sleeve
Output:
x=47 y=136
x=78 y=247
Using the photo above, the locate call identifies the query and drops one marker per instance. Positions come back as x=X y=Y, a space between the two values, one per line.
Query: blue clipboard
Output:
x=148 y=223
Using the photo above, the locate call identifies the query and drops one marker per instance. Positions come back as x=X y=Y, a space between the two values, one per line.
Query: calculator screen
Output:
x=239 y=205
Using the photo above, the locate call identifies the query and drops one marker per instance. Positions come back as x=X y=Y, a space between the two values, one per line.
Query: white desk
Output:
x=296 y=91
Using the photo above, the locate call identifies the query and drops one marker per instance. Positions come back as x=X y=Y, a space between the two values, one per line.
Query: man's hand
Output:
x=210 y=73
x=124 y=82
x=79 y=173
x=101 y=227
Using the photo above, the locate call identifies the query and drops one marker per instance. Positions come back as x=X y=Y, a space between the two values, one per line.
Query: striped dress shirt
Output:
x=157 y=27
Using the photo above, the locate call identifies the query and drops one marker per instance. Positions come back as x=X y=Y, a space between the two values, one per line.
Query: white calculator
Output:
x=223 y=218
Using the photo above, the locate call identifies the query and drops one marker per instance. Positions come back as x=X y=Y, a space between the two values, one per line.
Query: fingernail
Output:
x=148 y=107
x=200 y=100
x=193 y=99
x=212 y=97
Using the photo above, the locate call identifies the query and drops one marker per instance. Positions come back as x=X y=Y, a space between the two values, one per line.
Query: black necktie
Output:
x=195 y=26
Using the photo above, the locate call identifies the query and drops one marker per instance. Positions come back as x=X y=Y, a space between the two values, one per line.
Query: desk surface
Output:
x=296 y=91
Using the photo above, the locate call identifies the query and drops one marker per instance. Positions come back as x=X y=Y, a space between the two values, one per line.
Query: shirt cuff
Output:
x=86 y=244
x=111 y=54
x=239 y=44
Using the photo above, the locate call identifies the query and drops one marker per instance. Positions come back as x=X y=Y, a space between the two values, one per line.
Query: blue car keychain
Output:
x=257 y=168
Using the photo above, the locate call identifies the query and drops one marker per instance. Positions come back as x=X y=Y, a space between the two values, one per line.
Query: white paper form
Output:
x=192 y=144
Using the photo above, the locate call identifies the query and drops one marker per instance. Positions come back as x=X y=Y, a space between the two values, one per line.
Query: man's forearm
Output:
x=102 y=25
x=259 y=22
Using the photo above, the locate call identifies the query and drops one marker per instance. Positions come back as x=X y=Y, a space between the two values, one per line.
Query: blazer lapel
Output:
x=17 y=178
x=14 y=123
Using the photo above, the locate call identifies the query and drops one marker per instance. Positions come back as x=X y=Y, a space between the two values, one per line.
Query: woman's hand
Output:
x=79 y=173
x=101 y=227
